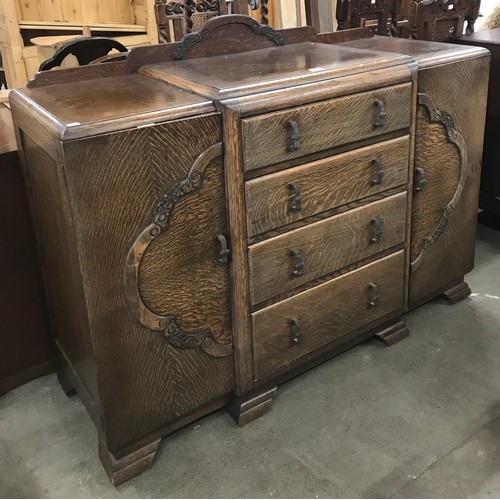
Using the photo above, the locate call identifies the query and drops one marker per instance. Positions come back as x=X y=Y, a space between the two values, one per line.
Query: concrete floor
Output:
x=418 y=419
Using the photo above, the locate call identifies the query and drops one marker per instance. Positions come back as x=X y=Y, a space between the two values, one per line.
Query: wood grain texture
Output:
x=117 y=103
x=230 y=76
x=128 y=466
x=324 y=184
x=133 y=169
x=58 y=259
x=266 y=138
x=452 y=255
x=324 y=246
x=326 y=313
x=240 y=294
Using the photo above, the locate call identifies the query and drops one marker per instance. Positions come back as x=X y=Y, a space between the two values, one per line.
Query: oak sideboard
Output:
x=217 y=215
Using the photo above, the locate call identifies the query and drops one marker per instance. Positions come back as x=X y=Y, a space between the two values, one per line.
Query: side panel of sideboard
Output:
x=448 y=149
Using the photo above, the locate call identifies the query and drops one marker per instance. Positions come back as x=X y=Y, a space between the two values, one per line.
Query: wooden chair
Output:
x=86 y=50
x=383 y=14
x=177 y=18
x=438 y=21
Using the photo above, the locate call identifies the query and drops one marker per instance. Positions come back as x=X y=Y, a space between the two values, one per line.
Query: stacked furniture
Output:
x=131 y=22
x=237 y=207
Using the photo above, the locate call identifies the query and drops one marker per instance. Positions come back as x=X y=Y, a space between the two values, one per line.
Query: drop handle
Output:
x=296 y=205
x=380 y=120
x=298 y=264
x=373 y=295
x=420 y=179
x=297 y=332
x=224 y=250
x=375 y=230
x=294 y=143
x=379 y=172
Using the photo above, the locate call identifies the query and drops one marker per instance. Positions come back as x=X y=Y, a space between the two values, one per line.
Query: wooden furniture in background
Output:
x=489 y=199
x=131 y=22
x=85 y=50
x=439 y=21
x=28 y=350
x=242 y=225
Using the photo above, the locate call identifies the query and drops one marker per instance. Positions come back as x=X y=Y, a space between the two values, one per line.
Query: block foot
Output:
x=457 y=293
x=121 y=469
x=244 y=410
x=66 y=385
x=393 y=333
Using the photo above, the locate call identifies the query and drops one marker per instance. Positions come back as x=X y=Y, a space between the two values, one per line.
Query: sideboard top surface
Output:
x=234 y=75
x=85 y=108
x=424 y=52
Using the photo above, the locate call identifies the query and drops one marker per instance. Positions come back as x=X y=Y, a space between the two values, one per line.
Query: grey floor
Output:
x=418 y=419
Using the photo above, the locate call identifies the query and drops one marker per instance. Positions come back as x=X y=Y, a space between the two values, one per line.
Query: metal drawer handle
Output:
x=380 y=121
x=298 y=264
x=297 y=198
x=297 y=332
x=224 y=251
x=373 y=295
x=420 y=179
x=375 y=230
x=377 y=179
x=294 y=136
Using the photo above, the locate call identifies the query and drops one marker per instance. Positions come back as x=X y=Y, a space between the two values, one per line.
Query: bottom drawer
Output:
x=294 y=327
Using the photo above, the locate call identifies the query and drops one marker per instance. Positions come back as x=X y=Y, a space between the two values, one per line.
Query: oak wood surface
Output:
x=133 y=169
x=324 y=246
x=324 y=184
x=426 y=53
x=326 y=313
x=452 y=254
x=266 y=138
x=240 y=295
x=229 y=76
x=117 y=103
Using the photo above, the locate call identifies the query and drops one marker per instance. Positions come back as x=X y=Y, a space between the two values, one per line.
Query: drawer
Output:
x=297 y=257
x=283 y=135
x=285 y=331
x=324 y=184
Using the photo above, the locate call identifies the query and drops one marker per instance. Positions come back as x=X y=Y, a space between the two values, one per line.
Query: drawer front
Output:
x=280 y=136
x=285 y=331
x=292 y=259
x=278 y=199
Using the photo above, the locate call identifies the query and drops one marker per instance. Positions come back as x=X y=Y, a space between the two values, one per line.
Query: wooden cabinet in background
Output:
x=208 y=230
x=489 y=199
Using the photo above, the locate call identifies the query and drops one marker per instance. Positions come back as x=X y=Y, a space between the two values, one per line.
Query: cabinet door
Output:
x=149 y=214
x=448 y=148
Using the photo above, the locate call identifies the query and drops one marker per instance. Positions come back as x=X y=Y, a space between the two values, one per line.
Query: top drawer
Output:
x=280 y=136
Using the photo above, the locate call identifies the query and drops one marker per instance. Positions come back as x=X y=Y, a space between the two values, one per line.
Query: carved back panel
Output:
x=438 y=21
x=355 y=13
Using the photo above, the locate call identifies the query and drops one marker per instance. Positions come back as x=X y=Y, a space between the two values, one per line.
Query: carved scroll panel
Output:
x=139 y=300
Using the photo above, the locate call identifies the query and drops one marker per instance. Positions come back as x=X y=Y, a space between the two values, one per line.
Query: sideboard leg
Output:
x=66 y=385
x=457 y=293
x=393 y=333
x=244 y=410
x=124 y=468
